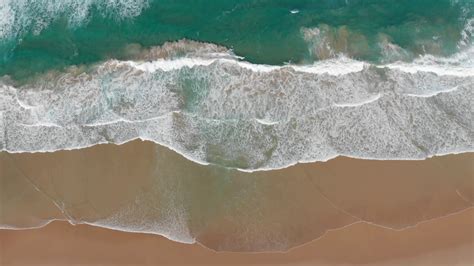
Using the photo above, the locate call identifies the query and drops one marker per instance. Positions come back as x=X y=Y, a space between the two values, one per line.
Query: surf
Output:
x=210 y=106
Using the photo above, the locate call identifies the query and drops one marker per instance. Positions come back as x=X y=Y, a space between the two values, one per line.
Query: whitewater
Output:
x=215 y=108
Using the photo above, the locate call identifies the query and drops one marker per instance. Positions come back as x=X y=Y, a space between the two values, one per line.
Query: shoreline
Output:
x=426 y=244
x=225 y=209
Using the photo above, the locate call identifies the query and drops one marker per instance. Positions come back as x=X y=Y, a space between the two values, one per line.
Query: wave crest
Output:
x=211 y=108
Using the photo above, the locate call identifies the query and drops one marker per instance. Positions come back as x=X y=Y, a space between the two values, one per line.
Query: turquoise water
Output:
x=312 y=80
x=36 y=39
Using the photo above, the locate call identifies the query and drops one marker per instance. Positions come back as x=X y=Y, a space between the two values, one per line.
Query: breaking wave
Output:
x=212 y=107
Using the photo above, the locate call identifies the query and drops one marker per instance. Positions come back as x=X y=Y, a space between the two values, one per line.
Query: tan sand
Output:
x=141 y=186
x=446 y=241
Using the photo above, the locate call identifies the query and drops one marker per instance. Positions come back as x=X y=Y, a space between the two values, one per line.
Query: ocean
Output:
x=252 y=85
x=37 y=36
x=243 y=107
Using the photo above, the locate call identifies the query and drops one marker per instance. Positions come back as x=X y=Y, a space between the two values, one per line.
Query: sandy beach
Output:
x=444 y=241
x=143 y=187
x=237 y=132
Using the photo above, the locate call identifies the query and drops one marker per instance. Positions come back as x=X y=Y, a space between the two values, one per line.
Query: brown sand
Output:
x=445 y=241
x=143 y=186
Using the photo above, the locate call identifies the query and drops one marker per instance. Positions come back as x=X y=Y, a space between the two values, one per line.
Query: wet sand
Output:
x=444 y=241
x=141 y=186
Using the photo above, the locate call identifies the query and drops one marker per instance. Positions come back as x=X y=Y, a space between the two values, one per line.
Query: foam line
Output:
x=210 y=106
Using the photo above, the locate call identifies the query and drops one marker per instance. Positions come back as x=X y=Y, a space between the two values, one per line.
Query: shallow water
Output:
x=271 y=84
x=213 y=108
x=143 y=187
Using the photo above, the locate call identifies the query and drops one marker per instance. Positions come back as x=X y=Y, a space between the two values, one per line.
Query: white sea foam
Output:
x=20 y=16
x=170 y=222
x=431 y=94
x=460 y=64
x=366 y=101
x=219 y=109
x=266 y=122
x=467 y=34
x=338 y=66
